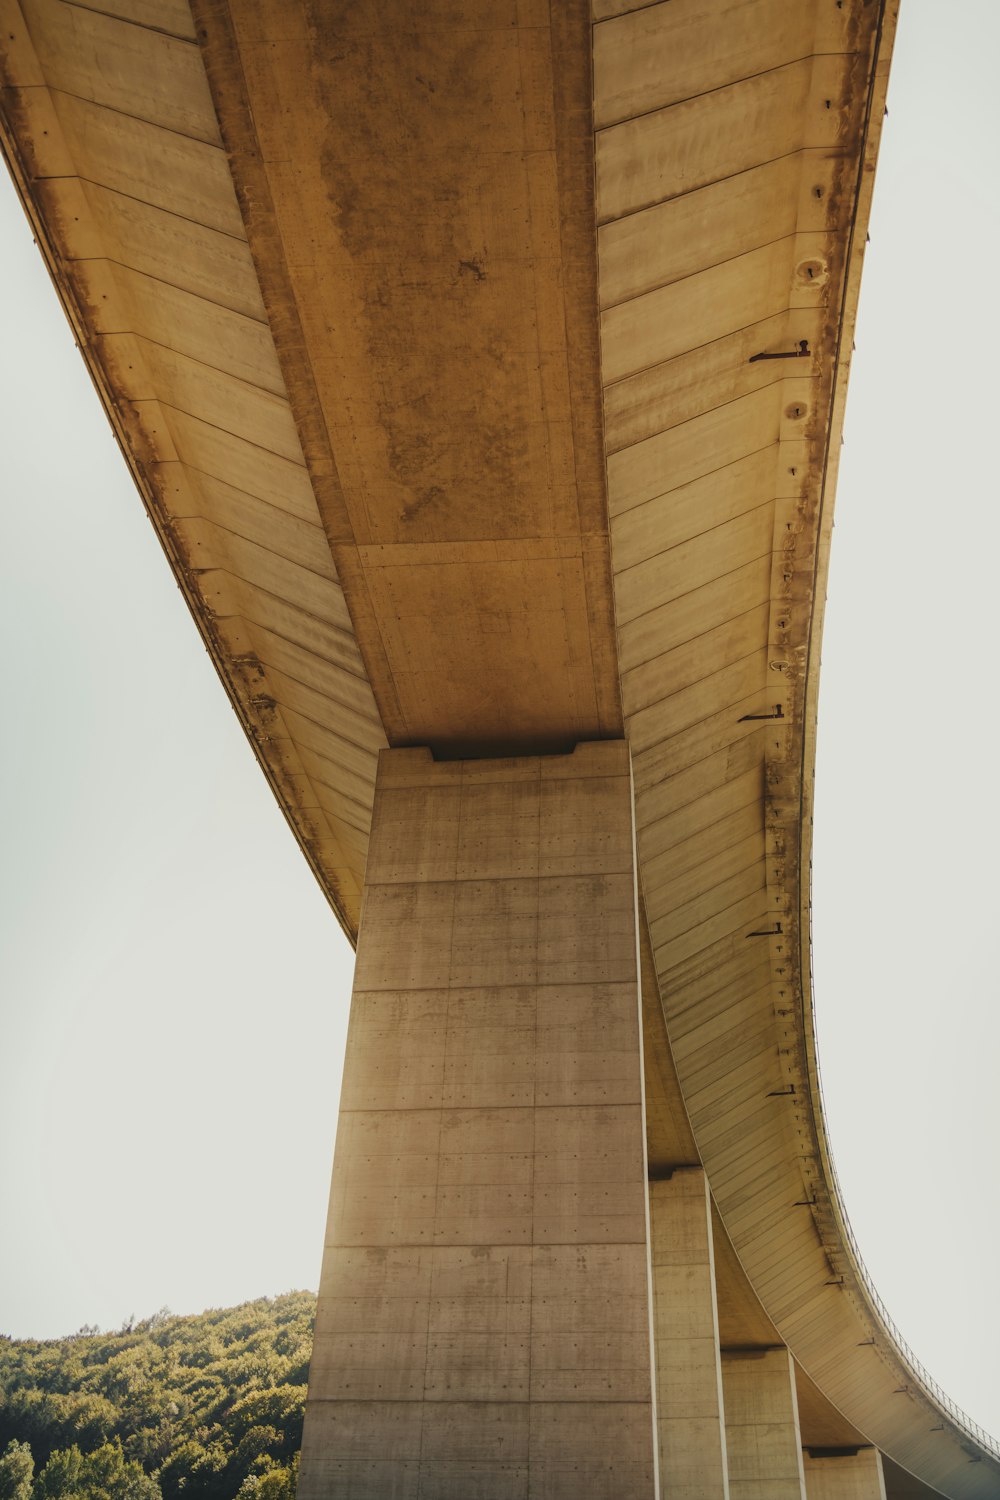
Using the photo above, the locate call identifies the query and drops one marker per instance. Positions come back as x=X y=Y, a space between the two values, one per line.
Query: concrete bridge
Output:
x=481 y=365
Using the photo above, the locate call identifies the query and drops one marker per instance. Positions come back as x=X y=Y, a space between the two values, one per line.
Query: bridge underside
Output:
x=482 y=368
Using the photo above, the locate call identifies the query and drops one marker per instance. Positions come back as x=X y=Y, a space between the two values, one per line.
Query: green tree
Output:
x=106 y=1474
x=281 y=1407
x=276 y=1484
x=61 y=1475
x=166 y=1408
x=90 y=1419
x=17 y=1468
x=253 y=1452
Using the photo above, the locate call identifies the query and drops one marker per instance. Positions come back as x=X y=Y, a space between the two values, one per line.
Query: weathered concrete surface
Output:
x=686 y=1340
x=484 y=1319
x=763 y=1441
x=418 y=187
x=845 y=1476
x=334 y=272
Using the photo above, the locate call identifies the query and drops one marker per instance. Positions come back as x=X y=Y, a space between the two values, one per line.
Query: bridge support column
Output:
x=483 y=1327
x=845 y=1476
x=763 y=1443
x=686 y=1330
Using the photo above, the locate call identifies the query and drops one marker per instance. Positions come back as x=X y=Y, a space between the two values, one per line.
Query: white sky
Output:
x=908 y=809
x=174 y=986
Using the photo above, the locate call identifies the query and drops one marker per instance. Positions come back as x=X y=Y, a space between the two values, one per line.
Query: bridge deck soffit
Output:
x=359 y=342
x=436 y=261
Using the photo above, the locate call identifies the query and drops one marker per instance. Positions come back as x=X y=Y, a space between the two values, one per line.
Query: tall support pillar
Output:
x=483 y=1326
x=690 y=1419
x=762 y=1425
x=845 y=1476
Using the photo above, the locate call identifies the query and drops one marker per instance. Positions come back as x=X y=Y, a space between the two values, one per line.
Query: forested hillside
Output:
x=203 y=1408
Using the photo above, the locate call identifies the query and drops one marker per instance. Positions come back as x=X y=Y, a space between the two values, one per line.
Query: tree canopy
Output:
x=168 y=1408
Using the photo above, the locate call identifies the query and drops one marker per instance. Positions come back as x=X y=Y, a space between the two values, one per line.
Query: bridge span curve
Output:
x=482 y=368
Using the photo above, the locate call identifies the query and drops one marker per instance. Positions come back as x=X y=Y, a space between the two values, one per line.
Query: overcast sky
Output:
x=908 y=809
x=175 y=987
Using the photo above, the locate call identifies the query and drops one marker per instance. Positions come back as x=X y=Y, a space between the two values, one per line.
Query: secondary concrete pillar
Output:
x=845 y=1476
x=763 y=1444
x=686 y=1340
x=483 y=1327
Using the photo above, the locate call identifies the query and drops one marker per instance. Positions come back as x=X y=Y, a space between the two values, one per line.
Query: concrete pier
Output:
x=762 y=1425
x=690 y=1420
x=484 y=1313
x=845 y=1476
